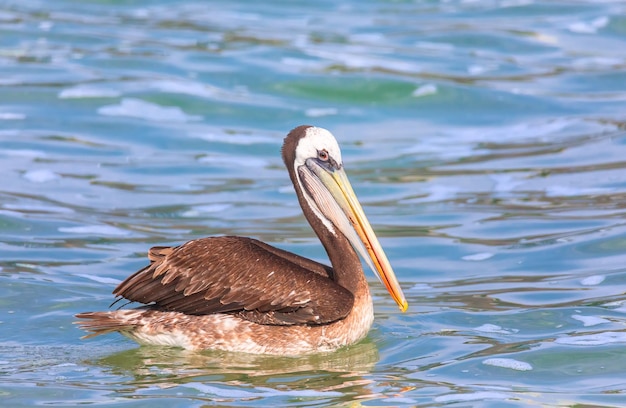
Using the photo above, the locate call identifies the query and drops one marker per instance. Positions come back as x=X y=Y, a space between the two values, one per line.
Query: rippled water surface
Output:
x=486 y=140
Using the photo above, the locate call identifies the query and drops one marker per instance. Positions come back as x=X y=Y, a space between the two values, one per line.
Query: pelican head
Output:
x=321 y=178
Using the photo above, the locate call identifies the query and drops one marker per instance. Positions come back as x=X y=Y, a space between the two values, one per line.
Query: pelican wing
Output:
x=238 y=275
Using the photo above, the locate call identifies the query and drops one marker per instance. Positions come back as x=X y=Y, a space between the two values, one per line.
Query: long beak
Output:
x=333 y=194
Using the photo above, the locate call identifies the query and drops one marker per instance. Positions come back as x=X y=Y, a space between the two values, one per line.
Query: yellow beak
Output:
x=338 y=202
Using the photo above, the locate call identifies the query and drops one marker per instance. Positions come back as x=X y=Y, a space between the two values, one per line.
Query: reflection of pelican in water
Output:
x=240 y=294
x=224 y=376
x=356 y=360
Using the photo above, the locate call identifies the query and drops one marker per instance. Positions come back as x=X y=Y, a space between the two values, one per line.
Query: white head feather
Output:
x=317 y=139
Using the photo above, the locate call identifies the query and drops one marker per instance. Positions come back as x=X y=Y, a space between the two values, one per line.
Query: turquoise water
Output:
x=485 y=139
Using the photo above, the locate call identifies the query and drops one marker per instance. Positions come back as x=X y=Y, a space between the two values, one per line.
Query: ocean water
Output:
x=485 y=139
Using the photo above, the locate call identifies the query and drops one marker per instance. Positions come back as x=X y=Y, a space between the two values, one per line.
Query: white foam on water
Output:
x=95 y=230
x=356 y=57
x=592 y=280
x=596 y=62
x=40 y=176
x=590 y=320
x=543 y=130
x=12 y=116
x=238 y=161
x=481 y=256
x=435 y=46
x=15 y=214
x=319 y=112
x=46 y=25
x=589 y=27
x=425 y=90
x=508 y=363
x=187 y=88
x=418 y=287
x=136 y=108
x=619 y=305
x=238 y=139
x=598 y=339
x=83 y=92
x=476 y=69
x=204 y=209
x=34 y=154
x=100 y=279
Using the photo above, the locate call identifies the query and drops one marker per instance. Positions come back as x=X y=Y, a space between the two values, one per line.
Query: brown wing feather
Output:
x=238 y=275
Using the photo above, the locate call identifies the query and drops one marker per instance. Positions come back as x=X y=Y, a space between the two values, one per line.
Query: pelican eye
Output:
x=322 y=155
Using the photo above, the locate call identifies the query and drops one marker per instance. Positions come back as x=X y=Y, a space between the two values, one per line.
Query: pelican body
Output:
x=239 y=294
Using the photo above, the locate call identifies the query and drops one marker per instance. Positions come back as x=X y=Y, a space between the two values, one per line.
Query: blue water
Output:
x=485 y=139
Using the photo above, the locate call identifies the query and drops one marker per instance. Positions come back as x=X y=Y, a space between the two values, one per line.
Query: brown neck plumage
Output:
x=346 y=264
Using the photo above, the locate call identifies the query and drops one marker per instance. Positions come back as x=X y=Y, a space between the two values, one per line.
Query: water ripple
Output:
x=486 y=141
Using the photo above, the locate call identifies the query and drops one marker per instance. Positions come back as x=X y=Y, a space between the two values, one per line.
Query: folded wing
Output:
x=241 y=276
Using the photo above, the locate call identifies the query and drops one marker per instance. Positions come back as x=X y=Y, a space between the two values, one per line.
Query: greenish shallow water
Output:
x=486 y=140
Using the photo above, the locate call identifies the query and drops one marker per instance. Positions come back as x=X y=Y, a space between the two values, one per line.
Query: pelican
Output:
x=239 y=294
